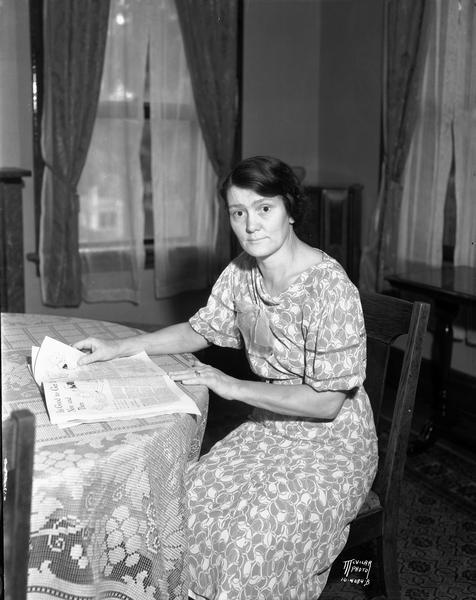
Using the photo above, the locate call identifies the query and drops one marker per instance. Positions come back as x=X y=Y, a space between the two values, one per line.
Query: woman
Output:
x=270 y=504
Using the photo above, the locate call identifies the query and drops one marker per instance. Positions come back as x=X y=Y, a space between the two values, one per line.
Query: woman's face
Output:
x=262 y=225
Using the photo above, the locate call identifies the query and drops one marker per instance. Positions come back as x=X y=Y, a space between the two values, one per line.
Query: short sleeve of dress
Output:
x=217 y=320
x=335 y=354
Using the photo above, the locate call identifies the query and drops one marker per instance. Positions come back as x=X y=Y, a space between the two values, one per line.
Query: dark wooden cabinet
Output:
x=333 y=223
x=12 y=285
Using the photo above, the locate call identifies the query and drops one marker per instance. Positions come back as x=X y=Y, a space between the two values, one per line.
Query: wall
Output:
x=15 y=97
x=311 y=92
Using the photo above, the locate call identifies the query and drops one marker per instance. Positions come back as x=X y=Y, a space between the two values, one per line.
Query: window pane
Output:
x=104 y=216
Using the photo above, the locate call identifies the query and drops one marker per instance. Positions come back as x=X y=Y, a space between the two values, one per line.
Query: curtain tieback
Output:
x=70 y=187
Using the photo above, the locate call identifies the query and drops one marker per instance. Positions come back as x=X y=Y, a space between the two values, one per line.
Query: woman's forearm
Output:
x=170 y=340
x=299 y=400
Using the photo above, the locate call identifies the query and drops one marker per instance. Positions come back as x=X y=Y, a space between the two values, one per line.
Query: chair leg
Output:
x=388 y=563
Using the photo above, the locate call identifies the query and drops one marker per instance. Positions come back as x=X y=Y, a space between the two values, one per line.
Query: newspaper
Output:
x=122 y=388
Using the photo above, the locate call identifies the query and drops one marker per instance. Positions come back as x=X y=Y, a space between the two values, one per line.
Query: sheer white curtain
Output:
x=445 y=127
x=112 y=183
x=183 y=180
x=111 y=186
x=465 y=138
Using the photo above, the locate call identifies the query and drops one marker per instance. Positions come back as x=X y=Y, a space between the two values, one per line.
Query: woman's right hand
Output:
x=97 y=350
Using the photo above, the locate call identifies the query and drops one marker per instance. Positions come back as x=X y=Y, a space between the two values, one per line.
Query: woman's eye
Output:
x=266 y=208
x=236 y=214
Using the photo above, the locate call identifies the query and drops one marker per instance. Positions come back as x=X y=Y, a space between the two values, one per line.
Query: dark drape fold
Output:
x=407 y=32
x=210 y=35
x=75 y=36
x=210 y=32
x=407 y=45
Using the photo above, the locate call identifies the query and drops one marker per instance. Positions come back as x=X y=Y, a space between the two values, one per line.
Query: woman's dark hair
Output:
x=268 y=177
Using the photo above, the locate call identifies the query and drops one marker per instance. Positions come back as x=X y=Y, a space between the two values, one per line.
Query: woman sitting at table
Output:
x=270 y=504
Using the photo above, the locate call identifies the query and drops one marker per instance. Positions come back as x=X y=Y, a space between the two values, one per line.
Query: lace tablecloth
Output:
x=108 y=511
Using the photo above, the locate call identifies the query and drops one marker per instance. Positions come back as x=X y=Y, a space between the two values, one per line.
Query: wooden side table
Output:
x=448 y=288
x=12 y=285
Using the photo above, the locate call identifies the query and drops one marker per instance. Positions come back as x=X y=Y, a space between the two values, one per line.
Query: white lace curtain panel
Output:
x=446 y=128
x=111 y=187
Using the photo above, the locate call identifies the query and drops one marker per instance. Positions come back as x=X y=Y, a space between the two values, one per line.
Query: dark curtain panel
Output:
x=407 y=25
x=74 y=43
x=211 y=36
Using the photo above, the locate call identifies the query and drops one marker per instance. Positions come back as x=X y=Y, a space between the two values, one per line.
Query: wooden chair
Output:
x=387 y=318
x=18 y=439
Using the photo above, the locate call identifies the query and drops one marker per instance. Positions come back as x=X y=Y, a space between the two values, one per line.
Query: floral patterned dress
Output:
x=270 y=504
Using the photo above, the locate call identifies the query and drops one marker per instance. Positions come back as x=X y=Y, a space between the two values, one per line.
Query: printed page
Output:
x=53 y=360
x=56 y=361
x=151 y=394
x=31 y=363
x=122 y=388
x=72 y=402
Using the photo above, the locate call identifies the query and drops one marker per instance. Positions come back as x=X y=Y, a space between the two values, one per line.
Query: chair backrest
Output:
x=386 y=319
x=18 y=439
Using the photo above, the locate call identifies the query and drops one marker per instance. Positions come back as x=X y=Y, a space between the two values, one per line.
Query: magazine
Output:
x=122 y=388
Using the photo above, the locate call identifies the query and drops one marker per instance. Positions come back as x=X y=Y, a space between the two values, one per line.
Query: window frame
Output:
x=37 y=62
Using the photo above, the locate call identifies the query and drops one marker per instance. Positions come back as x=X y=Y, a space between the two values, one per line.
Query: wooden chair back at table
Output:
x=18 y=440
x=386 y=319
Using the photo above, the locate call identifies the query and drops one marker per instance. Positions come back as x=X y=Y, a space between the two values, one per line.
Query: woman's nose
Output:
x=252 y=223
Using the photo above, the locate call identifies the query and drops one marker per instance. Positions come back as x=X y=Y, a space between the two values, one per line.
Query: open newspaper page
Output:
x=122 y=388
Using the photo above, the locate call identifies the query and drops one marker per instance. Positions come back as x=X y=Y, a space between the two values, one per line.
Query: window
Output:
x=104 y=224
x=147 y=177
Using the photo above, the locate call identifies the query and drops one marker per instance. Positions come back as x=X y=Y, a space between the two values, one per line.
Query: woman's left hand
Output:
x=202 y=374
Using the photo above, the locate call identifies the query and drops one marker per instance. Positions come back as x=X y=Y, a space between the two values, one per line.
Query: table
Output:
x=108 y=510
x=448 y=288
